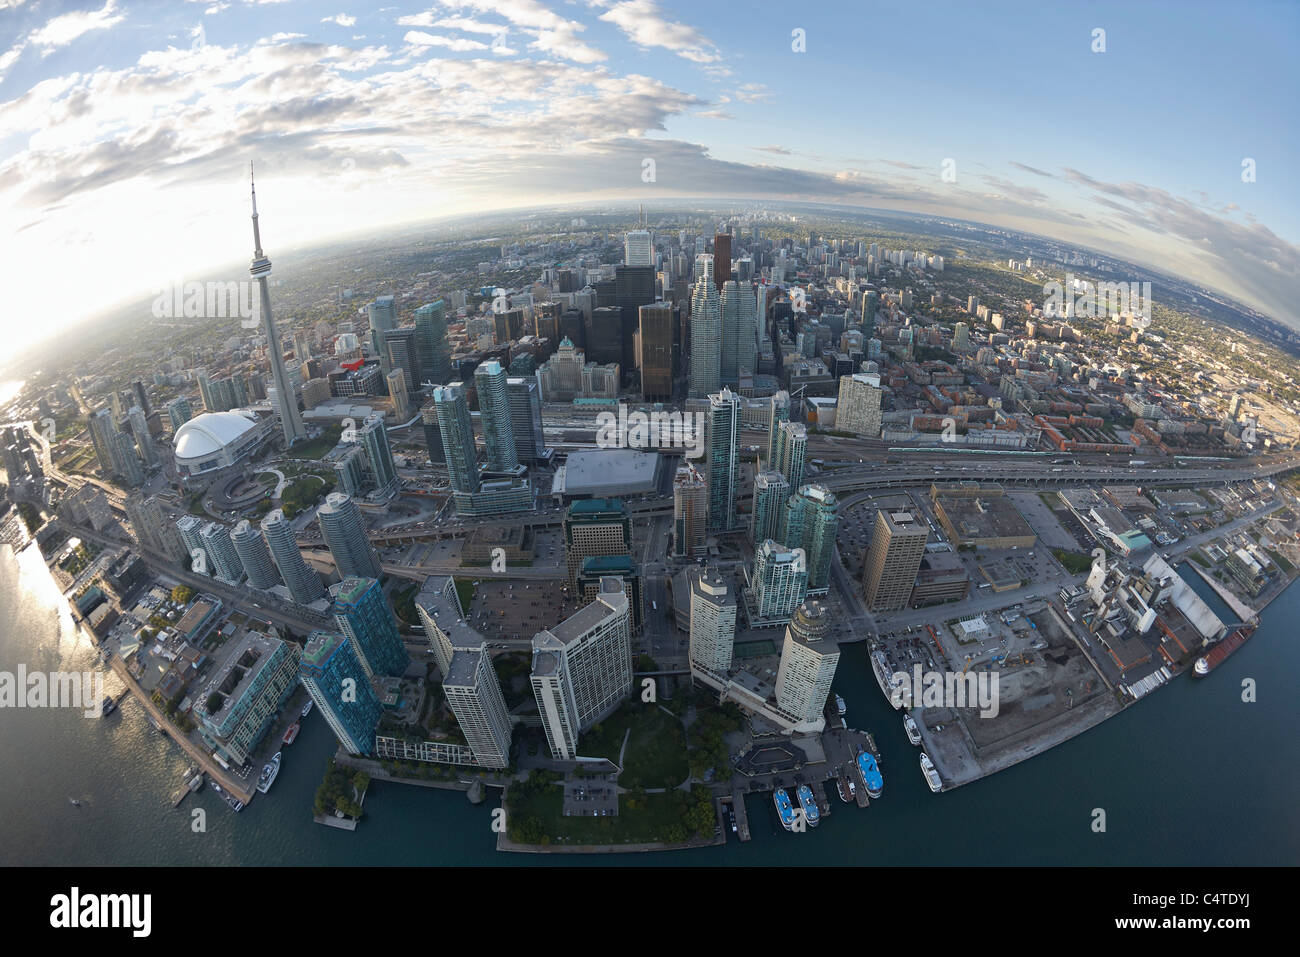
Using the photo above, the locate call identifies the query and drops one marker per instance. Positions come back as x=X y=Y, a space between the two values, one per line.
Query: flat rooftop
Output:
x=606 y=472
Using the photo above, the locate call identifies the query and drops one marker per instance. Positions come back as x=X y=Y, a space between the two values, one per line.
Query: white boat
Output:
x=840 y=706
x=890 y=686
x=269 y=773
x=931 y=773
x=913 y=732
x=306 y=709
x=1201 y=668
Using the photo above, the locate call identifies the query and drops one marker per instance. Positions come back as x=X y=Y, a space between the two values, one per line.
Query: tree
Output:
x=182 y=594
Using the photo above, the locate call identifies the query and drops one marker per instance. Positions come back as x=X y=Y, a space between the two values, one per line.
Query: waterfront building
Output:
x=810 y=522
x=897 y=547
x=332 y=672
x=361 y=612
x=240 y=699
x=712 y=620
x=809 y=657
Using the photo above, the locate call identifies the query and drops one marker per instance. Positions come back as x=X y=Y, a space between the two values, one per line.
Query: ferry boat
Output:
x=269 y=773
x=872 y=779
x=1222 y=649
x=890 y=686
x=781 y=799
x=306 y=709
x=913 y=732
x=840 y=707
x=292 y=734
x=848 y=790
x=811 y=813
x=931 y=773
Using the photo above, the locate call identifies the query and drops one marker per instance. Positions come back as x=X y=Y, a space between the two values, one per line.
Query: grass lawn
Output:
x=318 y=447
x=656 y=751
x=1073 y=562
x=642 y=819
x=465 y=591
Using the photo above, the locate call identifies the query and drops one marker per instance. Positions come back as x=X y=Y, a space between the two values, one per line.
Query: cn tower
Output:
x=290 y=418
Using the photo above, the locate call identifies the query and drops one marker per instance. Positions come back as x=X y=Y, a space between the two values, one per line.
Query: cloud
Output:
x=456 y=44
x=1031 y=169
x=778 y=150
x=643 y=23
x=62 y=30
x=342 y=19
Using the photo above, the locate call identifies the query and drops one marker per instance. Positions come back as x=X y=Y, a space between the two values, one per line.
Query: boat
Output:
x=74 y=802
x=840 y=706
x=1222 y=649
x=931 y=773
x=891 y=686
x=292 y=734
x=869 y=771
x=107 y=706
x=269 y=773
x=234 y=804
x=913 y=732
x=848 y=790
x=811 y=813
x=306 y=709
x=195 y=782
x=781 y=799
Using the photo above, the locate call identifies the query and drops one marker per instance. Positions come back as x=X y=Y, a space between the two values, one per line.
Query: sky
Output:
x=127 y=129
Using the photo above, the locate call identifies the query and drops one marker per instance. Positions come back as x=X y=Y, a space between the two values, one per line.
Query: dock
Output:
x=742 y=816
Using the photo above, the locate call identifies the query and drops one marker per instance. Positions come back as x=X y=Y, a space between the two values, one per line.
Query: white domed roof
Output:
x=210 y=432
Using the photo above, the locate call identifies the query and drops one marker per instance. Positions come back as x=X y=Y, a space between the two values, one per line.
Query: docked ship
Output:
x=306 y=709
x=890 y=686
x=848 y=790
x=107 y=706
x=781 y=799
x=913 y=732
x=269 y=773
x=811 y=813
x=1222 y=649
x=869 y=771
x=931 y=773
x=292 y=734
x=840 y=707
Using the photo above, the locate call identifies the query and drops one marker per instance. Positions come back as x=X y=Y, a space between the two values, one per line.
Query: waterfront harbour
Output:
x=1037 y=812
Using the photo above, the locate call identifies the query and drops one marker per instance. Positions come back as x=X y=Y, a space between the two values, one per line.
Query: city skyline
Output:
x=611 y=86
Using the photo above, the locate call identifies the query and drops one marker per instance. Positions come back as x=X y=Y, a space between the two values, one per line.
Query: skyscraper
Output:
x=778 y=412
x=894 y=558
x=331 y=671
x=638 y=249
x=790 y=450
x=690 y=511
x=858 y=407
x=494 y=416
x=286 y=400
x=126 y=463
x=100 y=425
x=361 y=612
x=723 y=431
x=808 y=661
x=526 y=420
x=811 y=521
x=196 y=556
x=656 y=358
x=457 y=430
x=713 y=620
x=152 y=529
x=721 y=259
x=251 y=548
x=771 y=492
x=595 y=527
x=706 y=331
x=431 y=344
x=432 y=433
x=777 y=583
x=303 y=583
x=582 y=668
x=140 y=432
x=344 y=532
x=221 y=550
x=179 y=412
x=739 y=333
x=374 y=439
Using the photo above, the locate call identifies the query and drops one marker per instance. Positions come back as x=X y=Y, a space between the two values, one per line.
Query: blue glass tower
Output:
x=362 y=614
x=332 y=673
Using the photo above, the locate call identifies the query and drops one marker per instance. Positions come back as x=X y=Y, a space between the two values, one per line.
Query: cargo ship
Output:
x=811 y=813
x=931 y=773
x=913 y=732
x=783 y=809
x=1221 y=649
x=292 y=734
x=872 y=779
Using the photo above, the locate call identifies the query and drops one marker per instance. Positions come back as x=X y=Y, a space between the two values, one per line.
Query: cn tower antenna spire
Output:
x=257 y=234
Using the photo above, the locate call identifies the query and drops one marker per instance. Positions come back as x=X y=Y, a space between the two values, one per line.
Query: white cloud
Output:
x=342 y=19
x=644 y=23
x=62 y=30
x=456 y=44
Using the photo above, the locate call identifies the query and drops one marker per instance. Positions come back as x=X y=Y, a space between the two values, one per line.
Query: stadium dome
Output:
x=215 y=440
